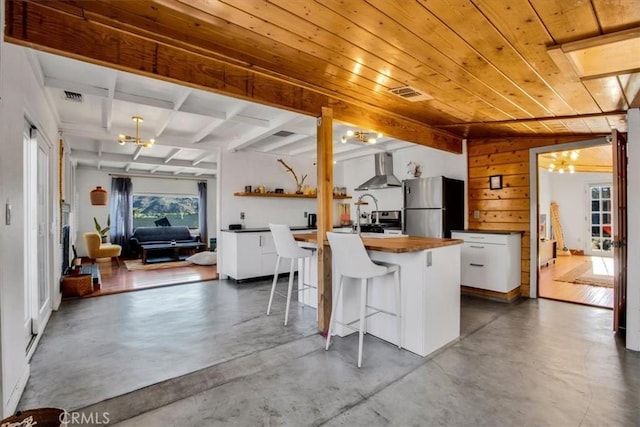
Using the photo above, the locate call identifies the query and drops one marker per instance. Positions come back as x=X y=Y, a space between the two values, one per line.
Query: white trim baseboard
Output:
x=9 y=408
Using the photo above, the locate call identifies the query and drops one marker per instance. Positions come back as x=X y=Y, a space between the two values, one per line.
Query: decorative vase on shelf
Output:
x=299 y=189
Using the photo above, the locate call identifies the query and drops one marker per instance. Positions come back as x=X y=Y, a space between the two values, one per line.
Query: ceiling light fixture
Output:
x=361 y=136
x=123 y=139
x=563 y=162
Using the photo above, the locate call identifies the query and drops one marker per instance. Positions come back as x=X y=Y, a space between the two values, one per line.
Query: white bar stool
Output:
x=352 y=260
x=287 y=247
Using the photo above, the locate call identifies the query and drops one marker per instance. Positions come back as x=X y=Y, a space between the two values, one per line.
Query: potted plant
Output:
x=103 y=231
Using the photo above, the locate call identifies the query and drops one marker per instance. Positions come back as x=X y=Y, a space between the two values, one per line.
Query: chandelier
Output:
x=123 y=139
x=561 y=162
x=361 y=136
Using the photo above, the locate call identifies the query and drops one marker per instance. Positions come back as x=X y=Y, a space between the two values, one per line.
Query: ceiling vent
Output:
x=283 y=133
x=72 y=96
x=410 y=93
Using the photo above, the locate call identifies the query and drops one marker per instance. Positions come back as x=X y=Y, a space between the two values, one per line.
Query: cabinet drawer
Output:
x=484 y=266
x=482 y=237
x=477 y=253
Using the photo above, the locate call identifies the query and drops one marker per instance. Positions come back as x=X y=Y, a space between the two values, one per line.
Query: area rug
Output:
x=583 y=274
x=136 y=264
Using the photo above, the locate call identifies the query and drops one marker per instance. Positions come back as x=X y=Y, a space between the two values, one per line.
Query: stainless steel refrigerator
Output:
x=433 y=206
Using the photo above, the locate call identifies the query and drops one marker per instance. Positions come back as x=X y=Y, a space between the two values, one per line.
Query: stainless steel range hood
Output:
x=384 y=177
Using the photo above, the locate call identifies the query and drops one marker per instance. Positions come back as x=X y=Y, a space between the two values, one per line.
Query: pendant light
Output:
x=98 y=196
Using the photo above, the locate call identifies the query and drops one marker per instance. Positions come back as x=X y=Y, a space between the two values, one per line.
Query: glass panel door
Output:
x=44 y=232
x=38 y=237
x=601 y=228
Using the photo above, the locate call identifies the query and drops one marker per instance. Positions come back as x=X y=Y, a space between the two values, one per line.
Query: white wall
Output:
x=20 y=95
x=247 y=168
x=238 y=169
x=88 y=179
x=569 y=191
x=633 y=237
x=433 y=163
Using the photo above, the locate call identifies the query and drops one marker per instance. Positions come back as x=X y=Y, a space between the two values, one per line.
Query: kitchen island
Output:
x=430 y=290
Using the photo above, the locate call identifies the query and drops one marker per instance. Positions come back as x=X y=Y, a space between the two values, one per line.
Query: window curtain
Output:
x=121 y=211
x=202 y=220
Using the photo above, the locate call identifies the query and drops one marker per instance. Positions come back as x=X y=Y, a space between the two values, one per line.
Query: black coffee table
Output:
x=178 y=250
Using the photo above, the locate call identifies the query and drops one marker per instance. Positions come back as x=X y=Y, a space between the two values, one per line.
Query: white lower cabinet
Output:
x=490 y=261
x=250 y=254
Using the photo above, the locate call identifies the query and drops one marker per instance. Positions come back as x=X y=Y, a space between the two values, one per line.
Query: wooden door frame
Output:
x=533 y=200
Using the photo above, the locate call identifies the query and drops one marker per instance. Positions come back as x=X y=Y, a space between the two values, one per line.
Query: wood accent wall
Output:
x=508 y=208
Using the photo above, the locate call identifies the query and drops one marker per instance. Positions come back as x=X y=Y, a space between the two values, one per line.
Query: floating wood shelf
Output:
x=291 y=195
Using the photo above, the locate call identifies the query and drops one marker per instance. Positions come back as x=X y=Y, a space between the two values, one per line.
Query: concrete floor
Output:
x=205 y=355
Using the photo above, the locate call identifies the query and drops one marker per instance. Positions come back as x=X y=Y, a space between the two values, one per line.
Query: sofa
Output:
x=149 y=235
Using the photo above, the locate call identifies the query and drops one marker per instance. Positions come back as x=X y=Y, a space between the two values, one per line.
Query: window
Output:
x=601 y=219
x=178 y=209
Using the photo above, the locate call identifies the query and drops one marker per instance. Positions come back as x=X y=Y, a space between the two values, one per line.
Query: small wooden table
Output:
x=178 y=249
x=547 y=252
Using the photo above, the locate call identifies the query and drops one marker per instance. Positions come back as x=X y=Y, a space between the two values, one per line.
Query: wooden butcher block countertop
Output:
x=391 y=244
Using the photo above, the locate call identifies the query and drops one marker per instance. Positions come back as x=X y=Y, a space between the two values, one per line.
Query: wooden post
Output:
x=325 y=214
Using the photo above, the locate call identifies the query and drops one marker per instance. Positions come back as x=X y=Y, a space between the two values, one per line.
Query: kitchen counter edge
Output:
x=488 y=231
x=392 y=244
x=262 y=230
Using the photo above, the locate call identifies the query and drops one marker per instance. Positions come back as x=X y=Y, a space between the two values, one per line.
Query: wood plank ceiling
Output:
x=484 y=65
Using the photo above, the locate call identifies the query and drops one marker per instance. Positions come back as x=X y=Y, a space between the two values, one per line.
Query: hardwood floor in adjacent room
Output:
x=599 y=296
x=116 y=279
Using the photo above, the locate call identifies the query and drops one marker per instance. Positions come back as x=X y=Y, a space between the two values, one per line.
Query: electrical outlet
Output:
x=241 y=215
x=476 y=214
x=305 y=214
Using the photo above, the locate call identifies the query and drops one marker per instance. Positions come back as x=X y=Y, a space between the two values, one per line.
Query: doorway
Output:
x=575 y=252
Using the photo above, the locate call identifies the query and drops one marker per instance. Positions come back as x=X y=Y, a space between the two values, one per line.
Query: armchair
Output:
x=97 y=249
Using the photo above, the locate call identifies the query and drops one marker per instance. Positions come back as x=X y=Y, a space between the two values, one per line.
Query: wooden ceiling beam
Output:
x=140 y=160
x=43 y=27
x=607 y=114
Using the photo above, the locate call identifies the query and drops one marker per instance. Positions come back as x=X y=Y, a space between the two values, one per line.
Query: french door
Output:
x=600 y=199
x=38 y=237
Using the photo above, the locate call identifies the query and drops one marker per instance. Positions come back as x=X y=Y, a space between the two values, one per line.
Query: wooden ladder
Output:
x=557 y=229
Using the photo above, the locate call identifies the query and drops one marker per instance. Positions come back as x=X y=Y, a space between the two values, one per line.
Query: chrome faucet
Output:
x=358 y=204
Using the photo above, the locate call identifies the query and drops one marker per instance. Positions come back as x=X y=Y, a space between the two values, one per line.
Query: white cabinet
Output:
x=250 y=254
x=490 y=261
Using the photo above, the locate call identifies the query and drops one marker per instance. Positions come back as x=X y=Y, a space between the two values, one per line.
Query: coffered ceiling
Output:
x=481 y=68
x=95 y=104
